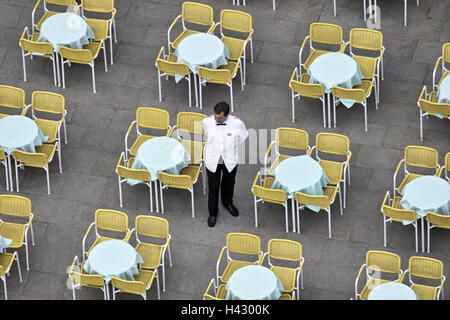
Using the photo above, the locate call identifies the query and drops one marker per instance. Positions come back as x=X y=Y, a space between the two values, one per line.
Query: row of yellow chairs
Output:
x=280 y=252
x=382 y=267
x=152 y=238
x=428 y=102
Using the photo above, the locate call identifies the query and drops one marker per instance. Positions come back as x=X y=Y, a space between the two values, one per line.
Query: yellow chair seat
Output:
x=146 y=277
x=312 y=56
x=425 y=292
x=278 y=160
x=49 y=128
x=99 y=27
x=287 y=277
x=409 y=177
x=286 y=296
x=13 y=231
x=151 y=254
x=182 y=35
x=368 y=66
x=2 y=115
x=45 y=16
x=235 y=47
x=6 y=261
x=232 y=266
x=334 y=170
x=369 y=286
x=221 y=292
x=97 y=241
x=140 y=140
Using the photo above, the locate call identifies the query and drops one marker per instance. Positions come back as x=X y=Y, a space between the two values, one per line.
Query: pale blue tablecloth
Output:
x=427 y=193
x=4 y=243
x=19 y=132
x=335 y=69
x=66 y=29
x=113 y=258
x=443 y=92
x=303 y=174
x=392 y=291
x=201 y=50
x=254 y=283
x=160 y=154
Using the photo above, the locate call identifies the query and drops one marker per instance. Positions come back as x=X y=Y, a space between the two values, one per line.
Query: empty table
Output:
x=392 y=291
x=254 y=283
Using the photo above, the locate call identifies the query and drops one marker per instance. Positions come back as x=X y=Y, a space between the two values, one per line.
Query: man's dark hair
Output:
x=222 y=107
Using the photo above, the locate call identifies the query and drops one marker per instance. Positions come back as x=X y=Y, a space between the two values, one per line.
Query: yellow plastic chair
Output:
x=141 y=284
x=327 y=146
x=374 y=3
x=192 y=13
x=447 y=166
x=416 y=157
x=279 y=250
x=241 y=244
x=87 y=56
x=102 y=27
x=286 y=296
x=359 y=94
x=168 y=66
x=435 y=220
x=17 y=207
x=286 y=138
x=147 y=118
x=320 y=33
x=107 y=220
x=378 y=264
x=6 y=261
x=264 y=193
x=219 y=294
x=300 y=87
x=79 y=278
x=124 y=172
x=428 y=105
x=155 y=231
x=224 y=75
x=444 y=61
x=393 y=211
x=61 y=5
x=324 y=202
x=49 y=103
x=239 y=22
x=4 y=161
x=40 y=159
x=426 y=268
x=12 y=99
x=31 y=47
x=372 y=67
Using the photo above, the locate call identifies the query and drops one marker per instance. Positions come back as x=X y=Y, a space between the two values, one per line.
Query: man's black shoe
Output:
x=211 y=221
x=232 y=209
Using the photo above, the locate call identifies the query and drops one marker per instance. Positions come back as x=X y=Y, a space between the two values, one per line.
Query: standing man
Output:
x=223 y=133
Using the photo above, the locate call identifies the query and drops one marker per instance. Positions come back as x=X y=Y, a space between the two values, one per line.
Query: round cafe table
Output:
x=254 y=283
x=300 y=174
x=19 y=132
x=443 y=92
x=335 y=69
x=113 y=258
x=392 y=291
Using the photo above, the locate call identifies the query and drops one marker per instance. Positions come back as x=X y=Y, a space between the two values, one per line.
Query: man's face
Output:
x=220 y=117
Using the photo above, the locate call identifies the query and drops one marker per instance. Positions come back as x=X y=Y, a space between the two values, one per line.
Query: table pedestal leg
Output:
x=293 y=214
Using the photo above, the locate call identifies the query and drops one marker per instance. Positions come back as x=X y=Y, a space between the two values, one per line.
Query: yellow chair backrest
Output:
x=152 y=118
x=17 y=206
x=103 y=6
x=235 y=20
x=129 y=173
x=134 y=287
x=304 y=88
x=383 y=261
x=32 y=159
x=197 y=13
x=439 y=220
x=326 y=33
x=423 y=157
x=88 y=280
x=190 y=122
x=266 y=193
x=446 y=52
x=244 y=243
x=283 y=249
x=65 y=3
x=76 y=55
x=34 y=46
x=397 y=214
x=151 y=226
x=171 y=67
x=49 y=102
x=2 y=154
x=292 y=138
x=433 y=107
x=195 y=149
x=219 y=75
x=332 y=143
x=312 y=200
x=366 y=39
x=425 y=267
x=111 y=220
x=447 y=161
x=175 y=180
x=356 y=94
x=12 y=97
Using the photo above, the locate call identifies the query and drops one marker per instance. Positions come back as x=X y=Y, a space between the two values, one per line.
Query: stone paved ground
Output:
x=97 y=123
